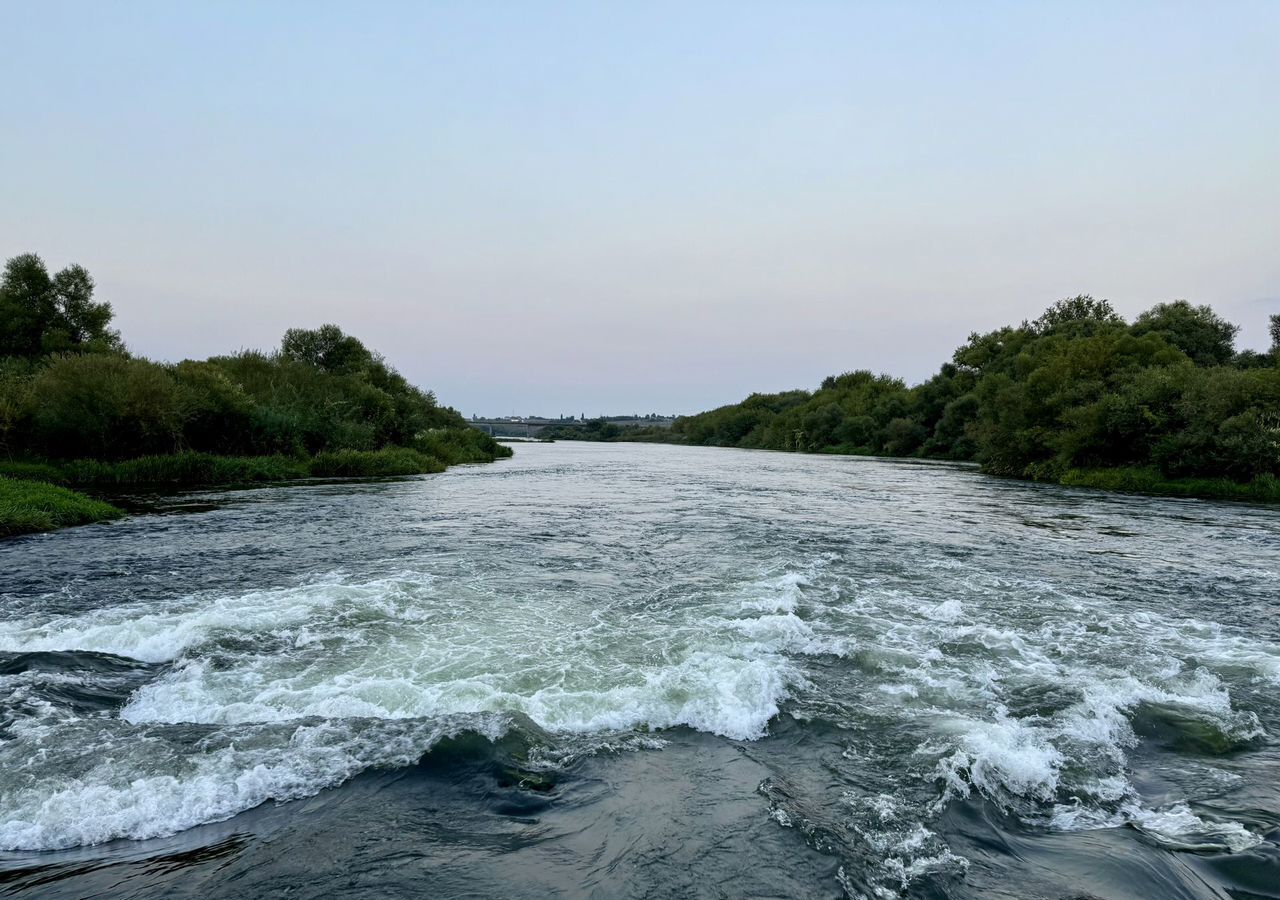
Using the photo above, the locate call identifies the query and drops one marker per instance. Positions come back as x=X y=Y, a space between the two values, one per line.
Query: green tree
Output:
x=326 y=348
x=1081 y=314
x=40 y=314
x=1197 y=331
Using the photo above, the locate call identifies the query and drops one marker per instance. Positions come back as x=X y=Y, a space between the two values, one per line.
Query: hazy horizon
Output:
x=572 y=208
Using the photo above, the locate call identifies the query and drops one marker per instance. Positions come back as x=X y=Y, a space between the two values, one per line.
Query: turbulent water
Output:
x=641 y=671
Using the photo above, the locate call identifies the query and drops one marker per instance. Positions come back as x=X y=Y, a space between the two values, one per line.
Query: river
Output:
x=646 y=671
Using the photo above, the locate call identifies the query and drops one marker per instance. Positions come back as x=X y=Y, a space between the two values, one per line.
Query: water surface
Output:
x=646 y=671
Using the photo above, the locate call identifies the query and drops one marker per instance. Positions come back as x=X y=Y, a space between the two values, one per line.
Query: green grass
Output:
x=1264 y=488
x=185 y=468
x=28 y=506
x=373 y=463
x=434 y=452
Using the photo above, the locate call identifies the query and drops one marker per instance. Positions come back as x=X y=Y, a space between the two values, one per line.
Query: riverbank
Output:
x=1126 y=480
x=39 y=496
x=1263 y=489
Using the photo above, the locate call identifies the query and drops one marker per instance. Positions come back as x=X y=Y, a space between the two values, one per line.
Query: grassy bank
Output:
x=37 y=496
x=27 y=506
x=207 y=469
x=373 y=463
x=1264 y=488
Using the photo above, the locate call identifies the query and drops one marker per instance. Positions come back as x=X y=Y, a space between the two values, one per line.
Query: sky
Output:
x=599 y=207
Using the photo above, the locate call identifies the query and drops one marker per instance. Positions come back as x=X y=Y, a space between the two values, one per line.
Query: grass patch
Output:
x=28 y=506
x=186 y=468
x=373 y=463
x=1264 y=488
x=433 y=451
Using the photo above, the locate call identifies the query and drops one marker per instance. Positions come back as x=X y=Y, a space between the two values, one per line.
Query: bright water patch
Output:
x=899 y=646
x=300 y=688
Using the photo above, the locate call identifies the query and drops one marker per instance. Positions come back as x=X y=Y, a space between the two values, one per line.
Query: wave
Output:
x=101 y=784
x=277 y=695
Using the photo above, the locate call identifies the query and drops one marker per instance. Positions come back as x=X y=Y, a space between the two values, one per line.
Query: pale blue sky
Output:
x=606 y=207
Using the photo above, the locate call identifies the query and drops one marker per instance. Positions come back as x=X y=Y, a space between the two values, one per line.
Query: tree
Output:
x=1275 y=333
x=326 y=348
x=1199 y=332
x=40 y=314
x=1081 y=313
x=81 y=323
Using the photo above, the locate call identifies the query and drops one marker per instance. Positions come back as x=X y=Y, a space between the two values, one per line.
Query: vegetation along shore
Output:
x=1079 y=396
x=78 y=411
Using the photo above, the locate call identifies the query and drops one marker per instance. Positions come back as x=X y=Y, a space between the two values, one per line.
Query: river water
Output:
x=646 y=671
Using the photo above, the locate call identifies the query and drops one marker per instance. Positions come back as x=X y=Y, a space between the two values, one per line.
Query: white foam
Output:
x=164 y=634
x=140 y=790
x=1178 y=827
x=1175 y=826
x=1026 y=694
x=1002 y=756
x=392 y=657
x=1015 y=690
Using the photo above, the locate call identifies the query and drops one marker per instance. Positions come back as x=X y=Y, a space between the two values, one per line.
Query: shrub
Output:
x=460 y=445
x=105 y=406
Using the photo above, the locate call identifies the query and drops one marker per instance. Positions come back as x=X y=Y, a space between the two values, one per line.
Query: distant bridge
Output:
x=526 y=428
x=531 y=427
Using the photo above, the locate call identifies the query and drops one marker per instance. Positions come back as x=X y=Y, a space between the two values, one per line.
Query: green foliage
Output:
x=184 y=468
x=27 y=506
x=1264 y=488
x=595 y=430
x=374 y=463
x=1079 y=315
x=104 y=406
x=860 y=411
x=1206 y=338
x=75 y=409
x=603 y=430
x=42 y=314
x=455 y=446
x=1075 y=391
x=210 y=469
x=326 y=348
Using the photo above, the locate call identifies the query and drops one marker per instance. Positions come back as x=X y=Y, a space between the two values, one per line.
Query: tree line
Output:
x=70 y=390
x=1078 y=395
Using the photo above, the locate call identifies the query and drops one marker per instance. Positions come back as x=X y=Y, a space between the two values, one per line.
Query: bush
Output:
x=461 y=445
x=218 y=416
x=105 y=406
